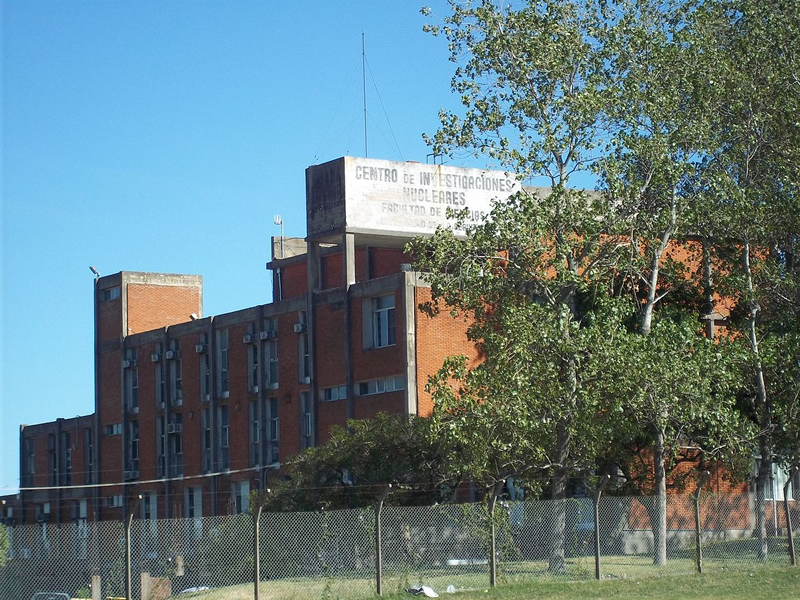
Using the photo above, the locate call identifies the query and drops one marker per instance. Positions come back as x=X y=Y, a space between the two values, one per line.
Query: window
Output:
x=194 y=502
x=30 y=460
x=51 y=459
x=161 y=446
x=207 y=462
x=222 y=363
x=380 y=386
x=205 y=370
x=252 y=370
x=272 y=363
x=114 y=501
x=303 y=348
x=88 y=455
x=306 y=421
x=777 y=481
x=264 y=431
x=240 y=501
x=158 y=365
x=134 y=388
x=194 y=512
x=112 y=293
x=175 y=435
x=273 y=431
x=176 y=374
x=65 y=476
x=333 y=393
x=271 y=353
x=131 y=378
x=383 y=331
x=113 y=429
x=224 y=437
x=133 y=448
x=80 y=529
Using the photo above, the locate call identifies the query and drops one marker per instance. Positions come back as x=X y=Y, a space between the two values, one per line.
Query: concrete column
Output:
x=349 y=269
x=410 y=340
x=349 y=257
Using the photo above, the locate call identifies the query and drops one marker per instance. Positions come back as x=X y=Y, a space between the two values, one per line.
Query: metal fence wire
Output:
x=333 y=554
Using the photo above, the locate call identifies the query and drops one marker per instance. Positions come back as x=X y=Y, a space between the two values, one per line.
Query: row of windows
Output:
x=364 y=388
x=382 y=332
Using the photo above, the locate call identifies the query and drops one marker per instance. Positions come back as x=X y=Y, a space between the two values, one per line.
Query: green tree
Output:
x=353 y=468
x=752 y=209
x=535 y=86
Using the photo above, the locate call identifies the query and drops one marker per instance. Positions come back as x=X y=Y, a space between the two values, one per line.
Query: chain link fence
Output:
x=333 y=554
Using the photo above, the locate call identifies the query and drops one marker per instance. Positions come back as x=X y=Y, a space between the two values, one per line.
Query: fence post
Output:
x=498 y=486
x=262 y=500
x=599 y=490
x=697 y=532
x=128 y=588
x=378 y=552
x=792 y=557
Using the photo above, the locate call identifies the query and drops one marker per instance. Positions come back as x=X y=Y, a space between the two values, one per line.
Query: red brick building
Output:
x=190 y=411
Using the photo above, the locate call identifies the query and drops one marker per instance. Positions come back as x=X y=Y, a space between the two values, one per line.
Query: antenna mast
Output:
x=364 y=88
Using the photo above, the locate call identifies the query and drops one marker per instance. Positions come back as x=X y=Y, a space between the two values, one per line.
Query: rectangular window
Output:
x=194 y=512
x=303 y=347
x=264 y=432
x=306 y=421
x=223 y=437
x=30 y=456
x=112 y=293
x=194 y=502
x=383 y=328
x=88 y=455
x=80 y=529
x=51 y=459
x=133 y=447
x=273 y=431
x=205 y=376
x=175 y=374
x=272 y=363
x=269 y=333
x=135 y=388
x=131 y=380
x=161 y=446
x=175 y=435
x=380 y=386
x=333 y=393
x=65 y=476
x=114 y=501
x=222 y=363
x=241 y=497
x=158 y=367
x=207 y=461
x=113 y=429
x=252 y=371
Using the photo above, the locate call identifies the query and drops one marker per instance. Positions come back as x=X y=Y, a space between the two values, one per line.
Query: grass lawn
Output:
x=753 y=583
x=760 y=582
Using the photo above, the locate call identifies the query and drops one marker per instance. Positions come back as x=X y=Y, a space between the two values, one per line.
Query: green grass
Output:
x=730 y=570
x=755 y=582
x=752 y=584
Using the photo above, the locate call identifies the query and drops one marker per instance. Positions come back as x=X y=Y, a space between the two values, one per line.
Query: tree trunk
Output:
x=763 y=408
x=558 y=492
x=762 y=487
x=658 y=512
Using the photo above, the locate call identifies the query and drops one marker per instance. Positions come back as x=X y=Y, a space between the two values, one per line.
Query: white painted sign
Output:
x=400 y=198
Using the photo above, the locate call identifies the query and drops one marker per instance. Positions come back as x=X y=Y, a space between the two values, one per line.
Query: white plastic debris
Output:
x=422 y=590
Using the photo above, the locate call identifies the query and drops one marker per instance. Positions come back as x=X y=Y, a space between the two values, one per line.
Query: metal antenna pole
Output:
x=364 y=88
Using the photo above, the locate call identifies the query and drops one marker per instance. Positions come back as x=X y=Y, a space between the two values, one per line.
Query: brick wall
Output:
x=155 y=306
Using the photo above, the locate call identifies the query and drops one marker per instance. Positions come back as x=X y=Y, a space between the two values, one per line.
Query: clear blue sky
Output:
x=164 y=136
